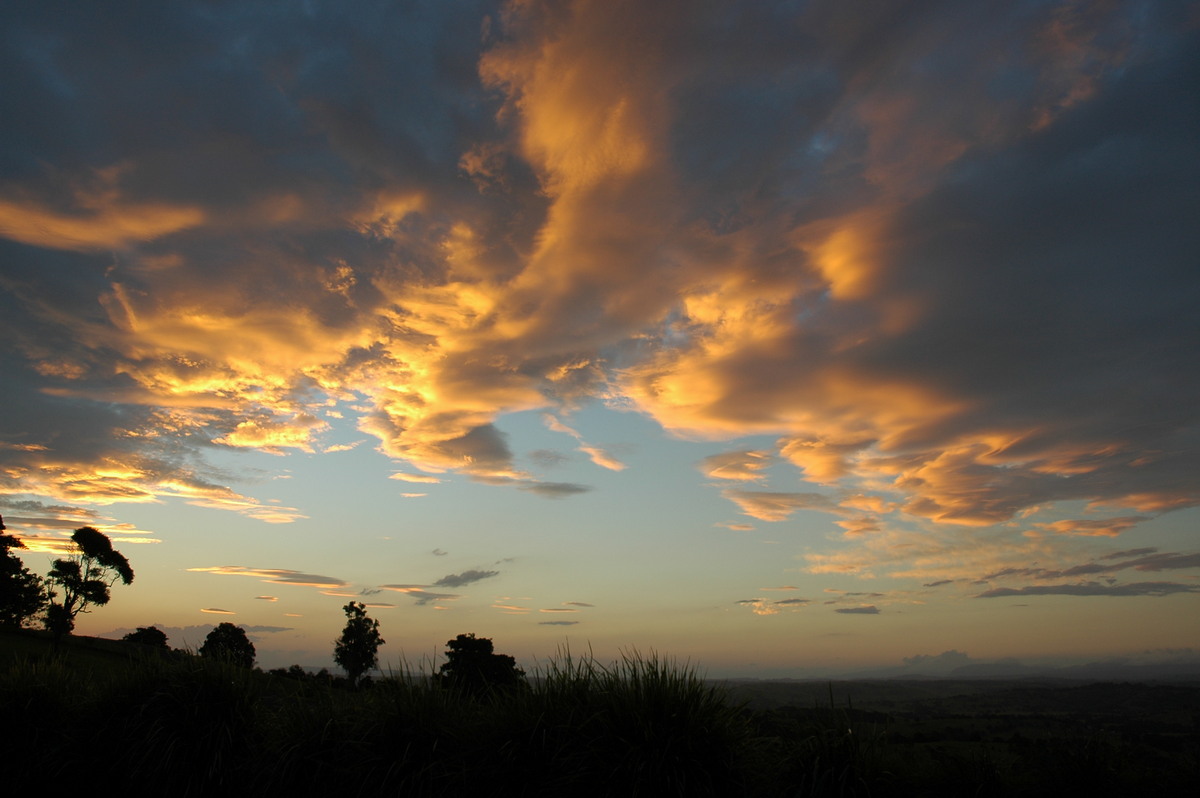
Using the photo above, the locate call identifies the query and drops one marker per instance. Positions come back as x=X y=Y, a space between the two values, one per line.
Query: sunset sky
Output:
x=784 y=338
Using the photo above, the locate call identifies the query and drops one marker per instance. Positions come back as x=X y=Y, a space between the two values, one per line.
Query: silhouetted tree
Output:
x=22 y=595
x=148 y=636
x=84 y=578
x=356 y=650
x=471 y=666
x=229 y=643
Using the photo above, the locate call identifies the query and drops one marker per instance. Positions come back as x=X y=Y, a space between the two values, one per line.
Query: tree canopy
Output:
x=229 y=643
x=22 y=595
x=84 y=578
x=357 y=649
x=471 y=666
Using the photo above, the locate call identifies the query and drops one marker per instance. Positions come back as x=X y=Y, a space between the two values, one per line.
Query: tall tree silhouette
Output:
x=22 y=595
x=357 y=649
x=84 y=578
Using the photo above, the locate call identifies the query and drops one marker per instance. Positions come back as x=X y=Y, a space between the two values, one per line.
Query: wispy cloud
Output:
x=761 y=606
x=421 y=595
x=599 y=456
x=767 y=506
x=278 y=576
x=740 y=466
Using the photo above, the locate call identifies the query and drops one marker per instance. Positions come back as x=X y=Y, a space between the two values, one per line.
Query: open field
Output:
x=95 y=711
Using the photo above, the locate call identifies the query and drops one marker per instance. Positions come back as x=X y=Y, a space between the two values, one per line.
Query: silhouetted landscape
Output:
x=143 y=718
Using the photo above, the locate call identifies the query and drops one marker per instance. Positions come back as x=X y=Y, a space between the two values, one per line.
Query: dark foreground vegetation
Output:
x=142 y=720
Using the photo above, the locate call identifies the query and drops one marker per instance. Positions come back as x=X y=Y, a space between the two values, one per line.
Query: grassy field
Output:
x=91 y=712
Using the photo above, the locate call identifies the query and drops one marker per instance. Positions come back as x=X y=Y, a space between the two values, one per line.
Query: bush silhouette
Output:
x=148 y=636
x=472 y=667
x=229 y=643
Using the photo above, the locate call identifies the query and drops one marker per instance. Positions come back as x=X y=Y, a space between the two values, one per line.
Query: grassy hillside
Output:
x=91 y=712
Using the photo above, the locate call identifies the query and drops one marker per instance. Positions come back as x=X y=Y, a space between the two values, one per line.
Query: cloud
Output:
x=421 y=596
x=425 y=478
x=1094 y=589
x=260 y=629
x=274 y=435
x=767 y=506
x=868 y=609
x=267 y=598
x=1102 y=527
x=557 y=623
x=742 y=466
x=465 y=578
x=911 y=284
x=548 y=458
x=1141 y=560
x=577 y=604
x=761 y=606
x=215 y=611
x=553 y=490
x=597 y=455
x=341 y=447
x=277 y=576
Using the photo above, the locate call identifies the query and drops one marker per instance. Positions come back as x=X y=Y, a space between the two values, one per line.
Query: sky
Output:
x=779 y=338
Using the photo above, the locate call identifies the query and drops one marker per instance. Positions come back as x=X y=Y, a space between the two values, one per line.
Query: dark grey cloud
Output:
x=553 y=490
x=23 y=505
x=465 y=578
x=557 y=623
x=1143 y=559
x=870 y=609
x=1094 y=589
x=549 y=458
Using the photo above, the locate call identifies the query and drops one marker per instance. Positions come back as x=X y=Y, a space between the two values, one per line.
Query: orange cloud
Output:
x=98 y=217
x=741 y=466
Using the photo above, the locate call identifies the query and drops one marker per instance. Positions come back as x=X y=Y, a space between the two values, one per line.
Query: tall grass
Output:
x=643 y=725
